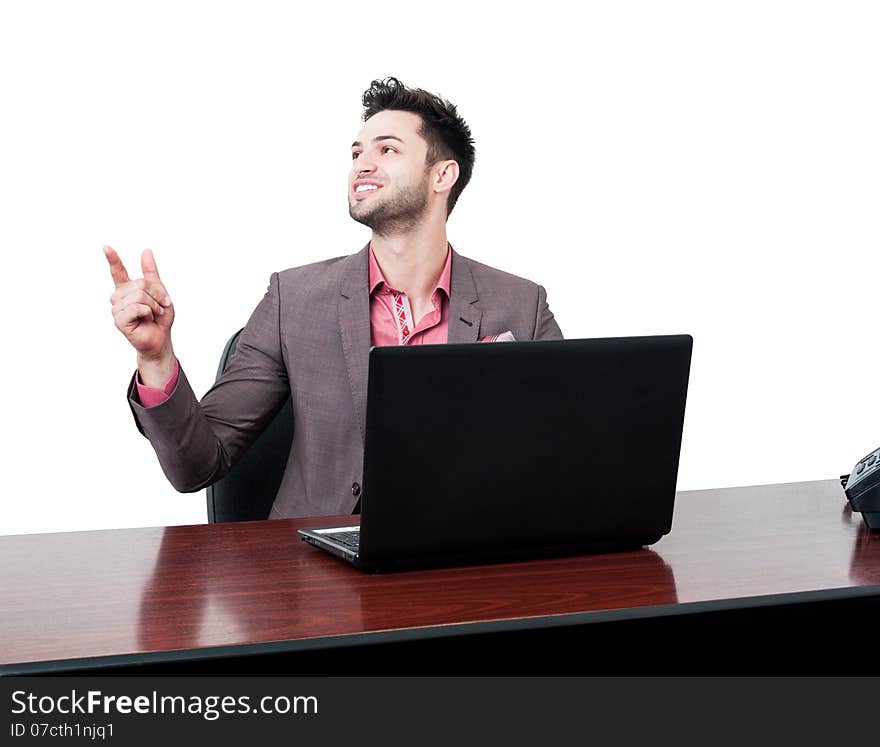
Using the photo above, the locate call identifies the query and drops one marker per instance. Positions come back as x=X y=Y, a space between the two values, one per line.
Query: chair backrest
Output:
x=248 y=490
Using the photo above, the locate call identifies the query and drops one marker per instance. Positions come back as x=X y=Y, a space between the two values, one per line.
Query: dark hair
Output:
x=445 y=132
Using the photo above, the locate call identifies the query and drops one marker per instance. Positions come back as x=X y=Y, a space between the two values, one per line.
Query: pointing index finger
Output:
x=117 y=269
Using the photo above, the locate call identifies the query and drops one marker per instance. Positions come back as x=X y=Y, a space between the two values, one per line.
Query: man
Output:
x=310 y=336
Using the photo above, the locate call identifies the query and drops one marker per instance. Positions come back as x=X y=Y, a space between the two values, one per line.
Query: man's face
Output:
x=388 y=186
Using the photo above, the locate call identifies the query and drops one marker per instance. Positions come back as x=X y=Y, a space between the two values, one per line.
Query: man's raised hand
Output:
x=143 y=312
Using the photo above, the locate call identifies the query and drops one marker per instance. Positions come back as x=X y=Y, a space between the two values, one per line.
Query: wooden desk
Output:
x=174 y=596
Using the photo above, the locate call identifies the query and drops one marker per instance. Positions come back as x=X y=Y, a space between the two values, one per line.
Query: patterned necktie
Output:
x=402 y=323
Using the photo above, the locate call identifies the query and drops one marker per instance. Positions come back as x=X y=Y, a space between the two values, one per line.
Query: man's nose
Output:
x=364 y=165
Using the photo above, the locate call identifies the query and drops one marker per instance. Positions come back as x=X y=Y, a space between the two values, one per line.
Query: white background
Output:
x=701 y=167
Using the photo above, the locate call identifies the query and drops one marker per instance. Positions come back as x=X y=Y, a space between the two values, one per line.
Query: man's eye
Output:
x=388 y=147
x=354 y=155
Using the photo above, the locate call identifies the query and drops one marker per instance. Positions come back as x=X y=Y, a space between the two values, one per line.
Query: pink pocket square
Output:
x=500 y=337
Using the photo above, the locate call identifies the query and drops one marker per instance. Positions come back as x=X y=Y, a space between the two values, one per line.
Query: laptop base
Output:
x=323 y=541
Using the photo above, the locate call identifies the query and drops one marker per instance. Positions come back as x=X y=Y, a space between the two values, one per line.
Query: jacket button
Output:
x=355 y=489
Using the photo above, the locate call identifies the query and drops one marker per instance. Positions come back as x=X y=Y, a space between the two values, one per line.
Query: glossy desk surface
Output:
x=155 y=594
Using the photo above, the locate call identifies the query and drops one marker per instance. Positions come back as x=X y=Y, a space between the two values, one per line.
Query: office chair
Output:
x=247 y=491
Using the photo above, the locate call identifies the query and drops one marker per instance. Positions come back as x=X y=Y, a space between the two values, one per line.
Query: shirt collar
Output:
x=443 y=282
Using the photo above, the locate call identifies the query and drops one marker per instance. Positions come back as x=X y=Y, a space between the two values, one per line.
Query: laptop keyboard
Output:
x=350 y=539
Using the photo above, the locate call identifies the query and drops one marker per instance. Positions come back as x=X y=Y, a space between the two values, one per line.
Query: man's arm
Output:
x=197 y=442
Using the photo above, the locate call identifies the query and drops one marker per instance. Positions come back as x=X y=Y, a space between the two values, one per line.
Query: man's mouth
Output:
x=364 y=188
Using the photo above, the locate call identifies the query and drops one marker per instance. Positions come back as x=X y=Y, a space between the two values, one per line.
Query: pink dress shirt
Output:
x=391 y=317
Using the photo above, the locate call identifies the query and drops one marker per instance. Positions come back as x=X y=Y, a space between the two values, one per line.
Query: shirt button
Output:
x=355 y=489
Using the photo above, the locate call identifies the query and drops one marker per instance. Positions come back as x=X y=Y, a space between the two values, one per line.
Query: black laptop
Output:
x=498 y=451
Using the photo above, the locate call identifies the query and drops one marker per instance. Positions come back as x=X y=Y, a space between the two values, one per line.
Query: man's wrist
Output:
x=156 y=372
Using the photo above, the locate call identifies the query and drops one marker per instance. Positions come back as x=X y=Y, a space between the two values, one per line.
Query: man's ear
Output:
x=446 y=175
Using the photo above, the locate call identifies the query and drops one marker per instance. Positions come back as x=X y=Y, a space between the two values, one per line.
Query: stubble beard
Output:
x=397 y=215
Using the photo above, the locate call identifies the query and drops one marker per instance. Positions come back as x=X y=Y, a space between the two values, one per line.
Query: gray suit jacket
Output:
x=310 y=338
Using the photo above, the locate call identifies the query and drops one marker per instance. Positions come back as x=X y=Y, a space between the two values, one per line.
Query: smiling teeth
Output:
x=366 y=187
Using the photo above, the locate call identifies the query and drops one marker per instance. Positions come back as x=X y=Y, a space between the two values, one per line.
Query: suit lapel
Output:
x=465 y=313
x=354 y=325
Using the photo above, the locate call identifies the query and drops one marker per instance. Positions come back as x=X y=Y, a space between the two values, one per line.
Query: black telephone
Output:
x=862 y=488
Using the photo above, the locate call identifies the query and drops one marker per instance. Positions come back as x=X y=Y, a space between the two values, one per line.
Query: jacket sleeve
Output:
x=546 y=327
x=198 y=442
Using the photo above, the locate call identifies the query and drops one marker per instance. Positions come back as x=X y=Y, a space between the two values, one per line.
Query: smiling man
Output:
x=309 y=337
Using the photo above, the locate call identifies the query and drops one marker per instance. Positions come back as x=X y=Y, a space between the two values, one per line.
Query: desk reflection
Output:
x=236 y=591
